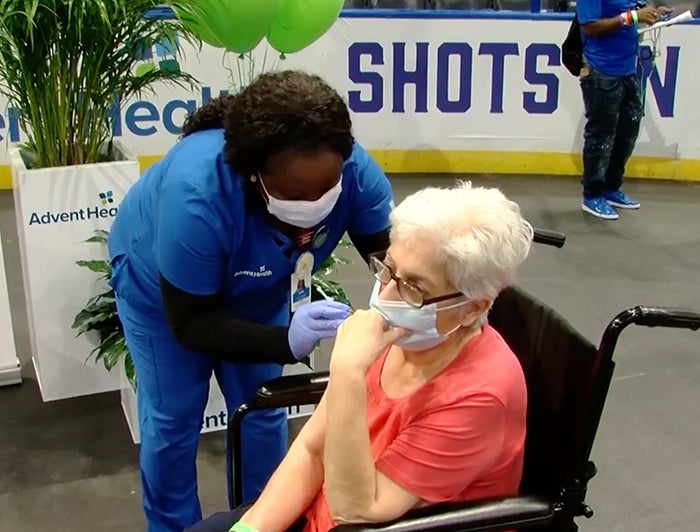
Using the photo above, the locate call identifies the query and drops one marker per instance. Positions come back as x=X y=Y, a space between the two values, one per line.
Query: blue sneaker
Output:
x=621 y=200
x=597 y=206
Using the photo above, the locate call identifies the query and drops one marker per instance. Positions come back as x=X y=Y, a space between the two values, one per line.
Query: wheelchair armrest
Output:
x=292 y=390
x=302 y=383
x=491 y=515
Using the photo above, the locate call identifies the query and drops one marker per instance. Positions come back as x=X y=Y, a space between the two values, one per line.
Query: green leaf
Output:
x=94 y=321
x=97 y=266
x=323 y=281
x=106 y=297
x=129 y=370
x=99 y=239
x=110 y=351
x=113 y=349
x=80 y=318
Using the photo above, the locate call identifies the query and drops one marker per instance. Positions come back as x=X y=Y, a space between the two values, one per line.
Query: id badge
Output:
x=300 y=287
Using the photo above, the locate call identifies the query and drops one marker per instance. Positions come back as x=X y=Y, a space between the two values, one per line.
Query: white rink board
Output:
x=441 y=84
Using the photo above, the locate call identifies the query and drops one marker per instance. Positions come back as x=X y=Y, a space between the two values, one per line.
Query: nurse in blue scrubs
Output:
x=207 y=249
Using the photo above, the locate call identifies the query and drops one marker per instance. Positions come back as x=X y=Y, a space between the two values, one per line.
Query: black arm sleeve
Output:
x=201 y=324
x=372 y=243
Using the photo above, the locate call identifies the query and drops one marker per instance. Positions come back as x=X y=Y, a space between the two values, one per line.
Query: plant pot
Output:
x=215 y=414
x=9 y=363
x=57 y=209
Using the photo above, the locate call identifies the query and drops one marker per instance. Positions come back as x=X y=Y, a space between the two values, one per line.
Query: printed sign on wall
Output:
x=446 y=85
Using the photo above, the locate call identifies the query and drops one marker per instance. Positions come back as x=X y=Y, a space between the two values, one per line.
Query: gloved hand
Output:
x=313 y=322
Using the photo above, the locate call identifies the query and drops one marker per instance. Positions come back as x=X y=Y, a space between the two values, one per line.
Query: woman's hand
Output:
x=361 y=339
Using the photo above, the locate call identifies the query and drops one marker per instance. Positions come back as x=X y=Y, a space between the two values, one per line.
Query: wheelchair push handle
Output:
x=548 y=237
x=667 y=317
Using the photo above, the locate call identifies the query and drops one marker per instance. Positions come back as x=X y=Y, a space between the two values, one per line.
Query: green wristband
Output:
x=635 y=19
x=239 y=526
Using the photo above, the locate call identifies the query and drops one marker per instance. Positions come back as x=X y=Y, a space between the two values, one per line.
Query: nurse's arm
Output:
x=202 y=324
x=366 y=245
x=295 y=483
x=368 y=227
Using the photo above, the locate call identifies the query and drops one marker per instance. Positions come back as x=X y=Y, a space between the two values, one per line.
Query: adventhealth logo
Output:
x=106 y=197
x=163 y=52
x=79 y=215
x=262 y=272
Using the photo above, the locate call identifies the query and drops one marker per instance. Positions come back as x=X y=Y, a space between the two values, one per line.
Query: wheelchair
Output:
x=567 y=378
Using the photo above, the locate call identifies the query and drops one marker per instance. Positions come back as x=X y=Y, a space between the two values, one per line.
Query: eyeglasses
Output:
x=407 y=291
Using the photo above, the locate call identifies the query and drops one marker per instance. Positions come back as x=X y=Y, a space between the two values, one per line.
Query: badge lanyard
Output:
x=300 y=281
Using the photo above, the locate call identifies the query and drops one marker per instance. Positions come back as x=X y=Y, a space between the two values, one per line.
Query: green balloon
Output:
x=237 y=25
x=195 y=22
x=302 y=22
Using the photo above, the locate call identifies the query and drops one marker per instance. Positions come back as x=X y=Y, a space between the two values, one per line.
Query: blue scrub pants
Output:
x=173 y=390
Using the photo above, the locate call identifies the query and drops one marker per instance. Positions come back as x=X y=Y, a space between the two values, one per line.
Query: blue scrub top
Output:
x=614 y=54
x=186 y=218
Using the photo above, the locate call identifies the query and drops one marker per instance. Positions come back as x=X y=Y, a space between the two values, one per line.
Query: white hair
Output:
x=478 y=236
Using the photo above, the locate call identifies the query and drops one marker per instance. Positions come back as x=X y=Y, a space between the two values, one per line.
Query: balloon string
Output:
x=240 y=77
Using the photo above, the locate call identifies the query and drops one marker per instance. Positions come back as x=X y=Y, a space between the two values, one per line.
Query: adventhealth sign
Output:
x=435 y=94
x=142 y=118
x=80 y=215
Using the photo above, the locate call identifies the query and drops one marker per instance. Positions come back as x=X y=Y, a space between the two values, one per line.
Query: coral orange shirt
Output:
x=459 y=437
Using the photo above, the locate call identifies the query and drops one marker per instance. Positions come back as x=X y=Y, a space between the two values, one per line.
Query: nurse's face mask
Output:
x=412 y=312
x=302 y=213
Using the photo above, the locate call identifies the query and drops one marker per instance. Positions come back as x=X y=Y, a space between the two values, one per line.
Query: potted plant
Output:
x=99 y=323
x=66 y=67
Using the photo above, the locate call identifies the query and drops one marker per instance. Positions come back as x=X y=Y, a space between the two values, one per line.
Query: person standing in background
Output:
x=611 y=97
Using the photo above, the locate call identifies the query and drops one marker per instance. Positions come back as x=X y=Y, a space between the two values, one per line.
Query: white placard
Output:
x=9 y=363
x=215 y=415
x=57 y=209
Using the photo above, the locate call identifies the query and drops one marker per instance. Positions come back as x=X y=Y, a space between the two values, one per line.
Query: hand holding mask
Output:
x=362 y=338
x=422 y=322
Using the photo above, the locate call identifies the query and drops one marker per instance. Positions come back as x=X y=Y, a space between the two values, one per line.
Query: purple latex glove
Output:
x=313 y=322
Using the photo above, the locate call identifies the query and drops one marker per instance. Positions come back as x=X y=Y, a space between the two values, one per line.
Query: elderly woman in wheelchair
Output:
x=425 y=403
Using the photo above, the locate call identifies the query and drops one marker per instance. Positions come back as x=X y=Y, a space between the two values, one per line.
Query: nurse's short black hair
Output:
x=279 y=111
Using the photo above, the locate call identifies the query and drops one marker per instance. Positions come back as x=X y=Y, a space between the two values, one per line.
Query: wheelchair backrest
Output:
x=559 y=364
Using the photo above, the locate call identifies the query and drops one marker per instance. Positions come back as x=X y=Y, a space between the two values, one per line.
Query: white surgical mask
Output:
x=300 y=213
x=421 y=321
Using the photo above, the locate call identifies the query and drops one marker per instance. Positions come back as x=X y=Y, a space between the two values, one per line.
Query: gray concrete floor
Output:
x=70 y=465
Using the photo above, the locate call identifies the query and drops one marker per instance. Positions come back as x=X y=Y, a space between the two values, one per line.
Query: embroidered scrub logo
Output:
x=262 y=272
x=162 y=51
x=106 y=197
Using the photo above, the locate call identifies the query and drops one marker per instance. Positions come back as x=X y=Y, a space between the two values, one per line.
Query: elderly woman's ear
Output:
x=470 y=315
x=475 y=313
